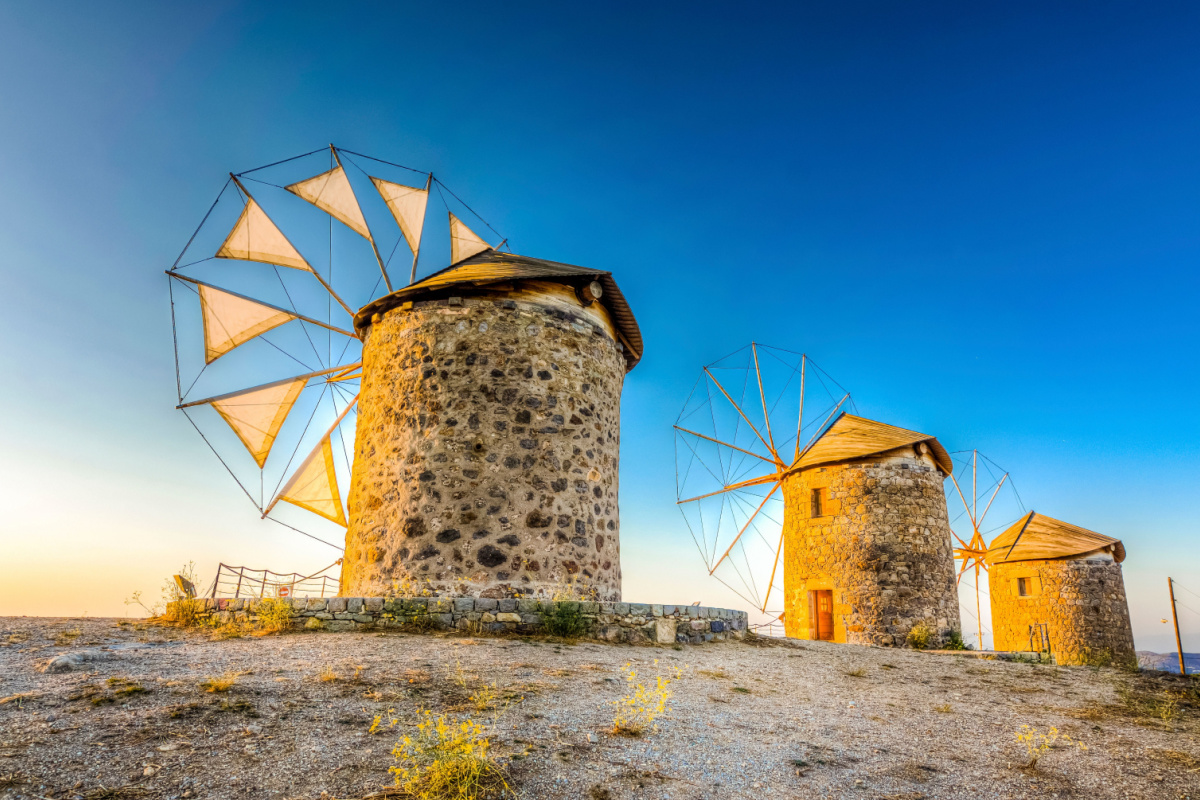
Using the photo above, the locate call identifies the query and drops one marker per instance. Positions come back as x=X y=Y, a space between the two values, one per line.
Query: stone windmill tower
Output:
x=485 y=459
x=483 y=401
x=849 y=513
x=867 y=548
x=1059 y=586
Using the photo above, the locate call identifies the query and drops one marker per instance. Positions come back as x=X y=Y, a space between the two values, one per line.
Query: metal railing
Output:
x=773 y=628
x=259 y=583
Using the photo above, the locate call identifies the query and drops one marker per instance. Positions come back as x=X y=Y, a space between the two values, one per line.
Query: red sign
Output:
x=285 y=591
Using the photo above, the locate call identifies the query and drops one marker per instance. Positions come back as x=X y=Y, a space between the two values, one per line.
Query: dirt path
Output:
x=811 y=720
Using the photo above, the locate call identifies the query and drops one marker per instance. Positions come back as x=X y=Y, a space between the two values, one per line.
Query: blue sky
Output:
x=983 y=220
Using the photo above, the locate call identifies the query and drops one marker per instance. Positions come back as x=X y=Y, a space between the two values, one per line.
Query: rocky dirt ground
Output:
x=132 y=718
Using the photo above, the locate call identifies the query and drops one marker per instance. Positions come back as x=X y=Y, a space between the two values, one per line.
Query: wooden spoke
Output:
x=723 y=444
x=993 y=497
x=374 y=248
x=773 y=478
x=762 y=396
x=744 y=527
x=964 y=502
x=332 y=293
x=316 y=374
x=771 y=582
x=742 y=413
x=298 y=316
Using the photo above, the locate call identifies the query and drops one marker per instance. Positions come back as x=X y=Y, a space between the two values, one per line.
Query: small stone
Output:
x=508 y=616
x=150 y=771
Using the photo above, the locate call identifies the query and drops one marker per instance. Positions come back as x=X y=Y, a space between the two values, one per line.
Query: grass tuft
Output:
x=220 y=683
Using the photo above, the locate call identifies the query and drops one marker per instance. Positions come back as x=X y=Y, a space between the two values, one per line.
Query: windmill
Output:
x=268 y=360
x=748 y=420
x=972 y=548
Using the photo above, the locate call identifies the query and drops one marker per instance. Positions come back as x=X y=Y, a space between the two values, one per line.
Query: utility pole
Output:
x=1175 y=619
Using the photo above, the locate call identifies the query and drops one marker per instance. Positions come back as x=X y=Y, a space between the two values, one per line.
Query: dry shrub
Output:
x=16 y=637
x=920 y=636
x=857 y=673
x=65 y=638
x=485 y=697
x=274 y=614
x=220 y=683
x=1037 y=744
x=187 y=613
x=327 y=674
x=638 y=709
x=564 y=620
x=447 y=761
x=183 y=612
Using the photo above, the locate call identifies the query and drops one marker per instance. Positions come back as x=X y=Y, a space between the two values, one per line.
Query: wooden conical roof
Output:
x=492 y=267
x=1039 y=537
x=851 y=437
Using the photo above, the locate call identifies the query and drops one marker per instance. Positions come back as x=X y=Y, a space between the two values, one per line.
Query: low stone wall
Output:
x=631 y=623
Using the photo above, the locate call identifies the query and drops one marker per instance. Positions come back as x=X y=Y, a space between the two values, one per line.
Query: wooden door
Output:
x=825 y=614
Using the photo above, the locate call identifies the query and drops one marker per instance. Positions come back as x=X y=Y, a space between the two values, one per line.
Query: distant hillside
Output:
x=1168 y=662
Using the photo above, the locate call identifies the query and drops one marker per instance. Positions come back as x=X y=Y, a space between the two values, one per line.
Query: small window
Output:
x=818 y=502
x=1023 y=587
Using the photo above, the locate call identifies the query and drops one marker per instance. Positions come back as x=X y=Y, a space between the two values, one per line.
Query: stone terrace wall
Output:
x=631 y=623
x=486 y=451
x=1082 y=602
x=882 y=545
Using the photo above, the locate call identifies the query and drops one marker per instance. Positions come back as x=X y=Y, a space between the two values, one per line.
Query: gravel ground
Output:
x=762 y=720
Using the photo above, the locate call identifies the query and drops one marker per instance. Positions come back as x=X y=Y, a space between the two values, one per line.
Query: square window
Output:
x=1023 y=587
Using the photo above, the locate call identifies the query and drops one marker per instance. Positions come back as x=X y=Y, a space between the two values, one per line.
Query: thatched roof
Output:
x=1039 y=537
x=491 y=267
x=851 y=437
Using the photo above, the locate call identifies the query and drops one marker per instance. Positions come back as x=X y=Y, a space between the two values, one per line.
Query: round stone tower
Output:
x=1058 y=586
x=488 y=432
x=867 y=550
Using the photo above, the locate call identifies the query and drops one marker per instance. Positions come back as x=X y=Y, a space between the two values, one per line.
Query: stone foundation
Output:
x=881 y=546
x=629 y=623
x=1081 y=602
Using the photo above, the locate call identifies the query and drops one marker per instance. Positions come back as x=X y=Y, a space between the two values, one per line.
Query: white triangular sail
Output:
x=231 y=320
x=463 y=241
x=314 y=485
x=407 y=206
x=256 y=415
x=256 y=238
x=331 y=192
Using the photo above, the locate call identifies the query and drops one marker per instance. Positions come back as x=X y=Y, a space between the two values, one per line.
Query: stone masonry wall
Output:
x=486 y=451
x=1081 y=601
x=631 y=623
x=882 y=546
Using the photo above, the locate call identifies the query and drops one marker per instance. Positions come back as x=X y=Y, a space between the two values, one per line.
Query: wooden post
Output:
x=1175 y=619
x=978 y=610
